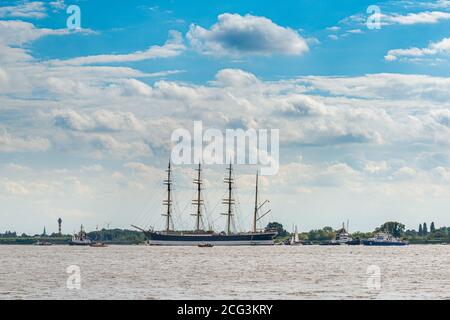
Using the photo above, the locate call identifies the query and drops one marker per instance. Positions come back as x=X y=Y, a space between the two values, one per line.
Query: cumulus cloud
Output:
x=145 y=170
x=10 y=143
x=302 y=106
x=115 y=147
x=235 y=78
x=329 y=119
x=319 y=111
x=237 y=35
x=383 y=86
x=99 y=120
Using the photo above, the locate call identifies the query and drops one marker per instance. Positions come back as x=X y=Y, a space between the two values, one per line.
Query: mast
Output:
x=255 y=214
x=168 y=202
x=229 y=201
x=198 y=202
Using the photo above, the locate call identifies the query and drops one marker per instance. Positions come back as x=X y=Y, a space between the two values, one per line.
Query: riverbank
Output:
x=65 y=241
x=54 y=241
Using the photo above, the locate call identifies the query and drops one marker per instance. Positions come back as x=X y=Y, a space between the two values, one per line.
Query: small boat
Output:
x=384 y=239
x=80 y=239
x=97 y=243
x=295 y=241
x=205 y=245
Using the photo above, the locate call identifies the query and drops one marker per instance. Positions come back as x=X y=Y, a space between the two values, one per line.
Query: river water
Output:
x=278 y=272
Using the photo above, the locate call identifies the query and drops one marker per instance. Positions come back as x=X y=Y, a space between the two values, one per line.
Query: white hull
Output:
x=214 y=243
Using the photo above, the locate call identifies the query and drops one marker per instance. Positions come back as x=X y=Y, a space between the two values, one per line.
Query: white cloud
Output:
x=237 y=35
x=384 y=86
x=17 y=167
x=99 y=120
x=16 y=32
x=10 y=143
x=111 y=115
x=92 y=168
x=114 y=147
x=235 y=78
x=24 y=9
x=57 y=5
x=433 y=49
x=436 y=4
x=405 y=173
x=147 y=171
x=12 y=188
x=426 y=17
x=355 y=132
x=174 y=46
x=334 y=28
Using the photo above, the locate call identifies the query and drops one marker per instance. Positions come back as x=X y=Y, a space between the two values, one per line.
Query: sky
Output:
x=86 y=115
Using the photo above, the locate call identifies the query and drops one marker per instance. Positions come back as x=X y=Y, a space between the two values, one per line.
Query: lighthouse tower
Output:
x=59 y=226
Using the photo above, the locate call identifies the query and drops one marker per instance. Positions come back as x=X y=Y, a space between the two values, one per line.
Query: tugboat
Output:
x=342 y=237
x=171 y=237
x=384 y=239
x=80 y=239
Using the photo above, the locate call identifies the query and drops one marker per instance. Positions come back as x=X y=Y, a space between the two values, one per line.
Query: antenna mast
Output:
x=256 y=204
x=168 y=202
x=198 y=202
x=229 y=201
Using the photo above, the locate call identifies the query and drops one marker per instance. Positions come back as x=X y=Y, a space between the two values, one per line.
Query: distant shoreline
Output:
x=65 y=242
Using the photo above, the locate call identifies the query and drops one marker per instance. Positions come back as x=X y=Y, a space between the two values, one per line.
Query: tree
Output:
x=432 y=228
x=420 y=230
x=392 y=227
x=324 y=234
x=425 y=229
x=278 y=227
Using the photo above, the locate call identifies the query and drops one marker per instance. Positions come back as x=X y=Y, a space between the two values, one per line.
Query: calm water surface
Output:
x=278 y=272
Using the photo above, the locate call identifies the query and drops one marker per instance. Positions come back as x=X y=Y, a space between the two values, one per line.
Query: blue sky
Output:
x=86 y=115
x=123 y=27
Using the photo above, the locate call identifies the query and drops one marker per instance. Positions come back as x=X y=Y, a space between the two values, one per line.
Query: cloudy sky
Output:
x=86 y=115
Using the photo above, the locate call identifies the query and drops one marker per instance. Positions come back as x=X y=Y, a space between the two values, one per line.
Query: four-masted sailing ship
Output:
x=199 y=236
